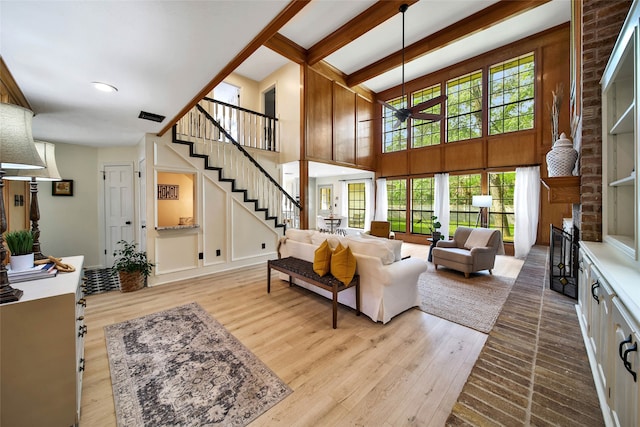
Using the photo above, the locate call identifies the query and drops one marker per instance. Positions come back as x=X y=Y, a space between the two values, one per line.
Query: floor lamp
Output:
x=47 y=153
x=484 y=203
x=17 y=151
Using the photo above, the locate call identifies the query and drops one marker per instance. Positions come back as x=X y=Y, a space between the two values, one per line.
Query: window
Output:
x=393 y=138
x=356 y=205
x=397 y=204
x=464 y=107
x=462 y=188
x=501 y=214
x=422 y=198
x=511 y=91
x=423 y=132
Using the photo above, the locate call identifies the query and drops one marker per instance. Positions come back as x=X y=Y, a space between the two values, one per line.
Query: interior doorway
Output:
x=118 y=207
x=269 y=99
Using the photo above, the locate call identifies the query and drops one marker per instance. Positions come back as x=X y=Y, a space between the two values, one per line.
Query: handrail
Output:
x=246 y=153
x=206 y=98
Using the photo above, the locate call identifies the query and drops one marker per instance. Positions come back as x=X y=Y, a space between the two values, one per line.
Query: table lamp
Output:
x=46 y=150
x=17 y=151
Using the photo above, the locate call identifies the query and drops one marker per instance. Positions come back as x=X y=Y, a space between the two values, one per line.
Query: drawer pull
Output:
x=623 y=356
x=595 y=285
x=80 y=319
x=82 y=330
x=82 y=302
x=81 y=365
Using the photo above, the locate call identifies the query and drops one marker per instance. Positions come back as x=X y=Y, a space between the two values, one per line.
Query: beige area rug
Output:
x=181 y=367
x=475 y=302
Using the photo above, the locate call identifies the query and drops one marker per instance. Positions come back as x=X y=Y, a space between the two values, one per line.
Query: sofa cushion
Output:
x=333 y=240
x=479 y=237
x=343 y=264
x=394 y=245
x=372 y=247
x=299 y=235
x=322 y=259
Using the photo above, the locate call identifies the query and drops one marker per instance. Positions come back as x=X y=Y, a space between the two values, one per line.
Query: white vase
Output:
x=562 y=158
x=21 y=262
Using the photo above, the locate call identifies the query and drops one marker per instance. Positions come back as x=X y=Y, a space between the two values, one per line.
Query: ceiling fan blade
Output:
x=397 y=124
x=427 y=116
x=389 y=106
x=428 y=104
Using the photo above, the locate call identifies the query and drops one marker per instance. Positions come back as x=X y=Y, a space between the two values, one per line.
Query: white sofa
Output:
x=388 y=284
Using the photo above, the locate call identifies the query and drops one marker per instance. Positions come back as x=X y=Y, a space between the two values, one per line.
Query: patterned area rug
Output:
x=475 y=302
x=181 y=367
x=100 y=280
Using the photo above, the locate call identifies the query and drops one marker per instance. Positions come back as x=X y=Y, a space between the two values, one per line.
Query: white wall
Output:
x=69 y=224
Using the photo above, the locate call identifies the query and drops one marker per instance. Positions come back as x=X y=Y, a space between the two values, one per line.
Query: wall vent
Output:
x=150 y=116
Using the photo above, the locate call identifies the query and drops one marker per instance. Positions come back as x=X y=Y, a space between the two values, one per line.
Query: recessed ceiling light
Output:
x=104 y=87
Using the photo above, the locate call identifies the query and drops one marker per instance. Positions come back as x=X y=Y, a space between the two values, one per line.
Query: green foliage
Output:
x=130 y=260
x=20 y=242
x=435 y=224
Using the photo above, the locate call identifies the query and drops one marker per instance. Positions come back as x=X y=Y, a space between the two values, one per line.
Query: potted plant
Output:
x=20 y=245
x=132 y=266
x=435 y=226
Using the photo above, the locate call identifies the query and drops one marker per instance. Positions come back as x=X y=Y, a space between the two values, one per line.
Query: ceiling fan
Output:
x=416 y=111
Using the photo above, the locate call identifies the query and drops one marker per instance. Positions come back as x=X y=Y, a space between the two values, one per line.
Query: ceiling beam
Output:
x=287 y=48
x=481 y=20
x=361 y=24
x=267 y=32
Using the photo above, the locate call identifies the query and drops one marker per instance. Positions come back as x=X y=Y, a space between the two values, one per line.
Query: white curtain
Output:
x=382 y=204
x=368 y=202
x=526 y=201
x=343 y=209
x=441 y=202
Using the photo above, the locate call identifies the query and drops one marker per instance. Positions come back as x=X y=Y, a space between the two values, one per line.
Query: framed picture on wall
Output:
x=62 y=188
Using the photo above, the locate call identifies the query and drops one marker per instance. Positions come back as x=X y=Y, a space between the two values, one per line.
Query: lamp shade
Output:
x=17 y=148
x=481 y=201
x=46 y=150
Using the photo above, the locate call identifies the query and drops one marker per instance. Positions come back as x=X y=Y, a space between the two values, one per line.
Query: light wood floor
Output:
x=407 y=372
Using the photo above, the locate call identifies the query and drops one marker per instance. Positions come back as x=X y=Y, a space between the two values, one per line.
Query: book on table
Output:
x=43 y=271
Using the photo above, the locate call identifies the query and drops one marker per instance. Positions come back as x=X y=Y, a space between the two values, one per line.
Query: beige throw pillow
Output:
x=478 y=238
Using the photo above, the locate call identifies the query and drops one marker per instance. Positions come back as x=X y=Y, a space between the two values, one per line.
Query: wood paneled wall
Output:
x=338 y=122
x=496 y=152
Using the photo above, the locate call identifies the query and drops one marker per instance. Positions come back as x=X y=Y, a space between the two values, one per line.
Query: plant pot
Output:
x=436 y=235
x=21 y=262
x=131 y=281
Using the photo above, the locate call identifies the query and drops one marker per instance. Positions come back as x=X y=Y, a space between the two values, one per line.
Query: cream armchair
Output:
x=472 y=249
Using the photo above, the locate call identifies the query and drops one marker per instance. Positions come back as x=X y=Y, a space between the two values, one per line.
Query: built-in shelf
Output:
x=628 y=180
x=178 y=227
x=625 y=122
x=563 y=189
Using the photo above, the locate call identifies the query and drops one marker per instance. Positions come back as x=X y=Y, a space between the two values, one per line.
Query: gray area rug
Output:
x=475 y=302
x=180 y=367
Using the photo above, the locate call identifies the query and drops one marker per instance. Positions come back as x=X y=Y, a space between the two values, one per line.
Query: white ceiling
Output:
x=161 y=53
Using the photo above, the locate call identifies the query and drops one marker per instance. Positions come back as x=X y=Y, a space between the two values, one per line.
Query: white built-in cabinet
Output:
x=609 y=272
x=42 y=351
x=620 y=125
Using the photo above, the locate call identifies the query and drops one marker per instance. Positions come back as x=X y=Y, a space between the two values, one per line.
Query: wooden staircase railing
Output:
x=209 y=139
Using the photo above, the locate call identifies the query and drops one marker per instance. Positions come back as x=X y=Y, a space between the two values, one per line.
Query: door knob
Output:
x=128 y=222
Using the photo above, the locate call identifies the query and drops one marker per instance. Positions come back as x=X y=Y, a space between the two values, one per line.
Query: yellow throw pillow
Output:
x=343 y=264
x=322 y=259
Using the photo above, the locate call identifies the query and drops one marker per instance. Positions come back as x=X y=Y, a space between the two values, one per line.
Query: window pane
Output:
x=501 y=216
x=511 y=95
x=424 y=132
x=394 y=139
x=422 y=198
x=462 y=188
x=397 y=201
x=464 y=107
x=356 y=205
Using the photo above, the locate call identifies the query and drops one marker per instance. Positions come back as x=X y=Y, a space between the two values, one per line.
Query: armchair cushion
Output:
x=479 y=237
